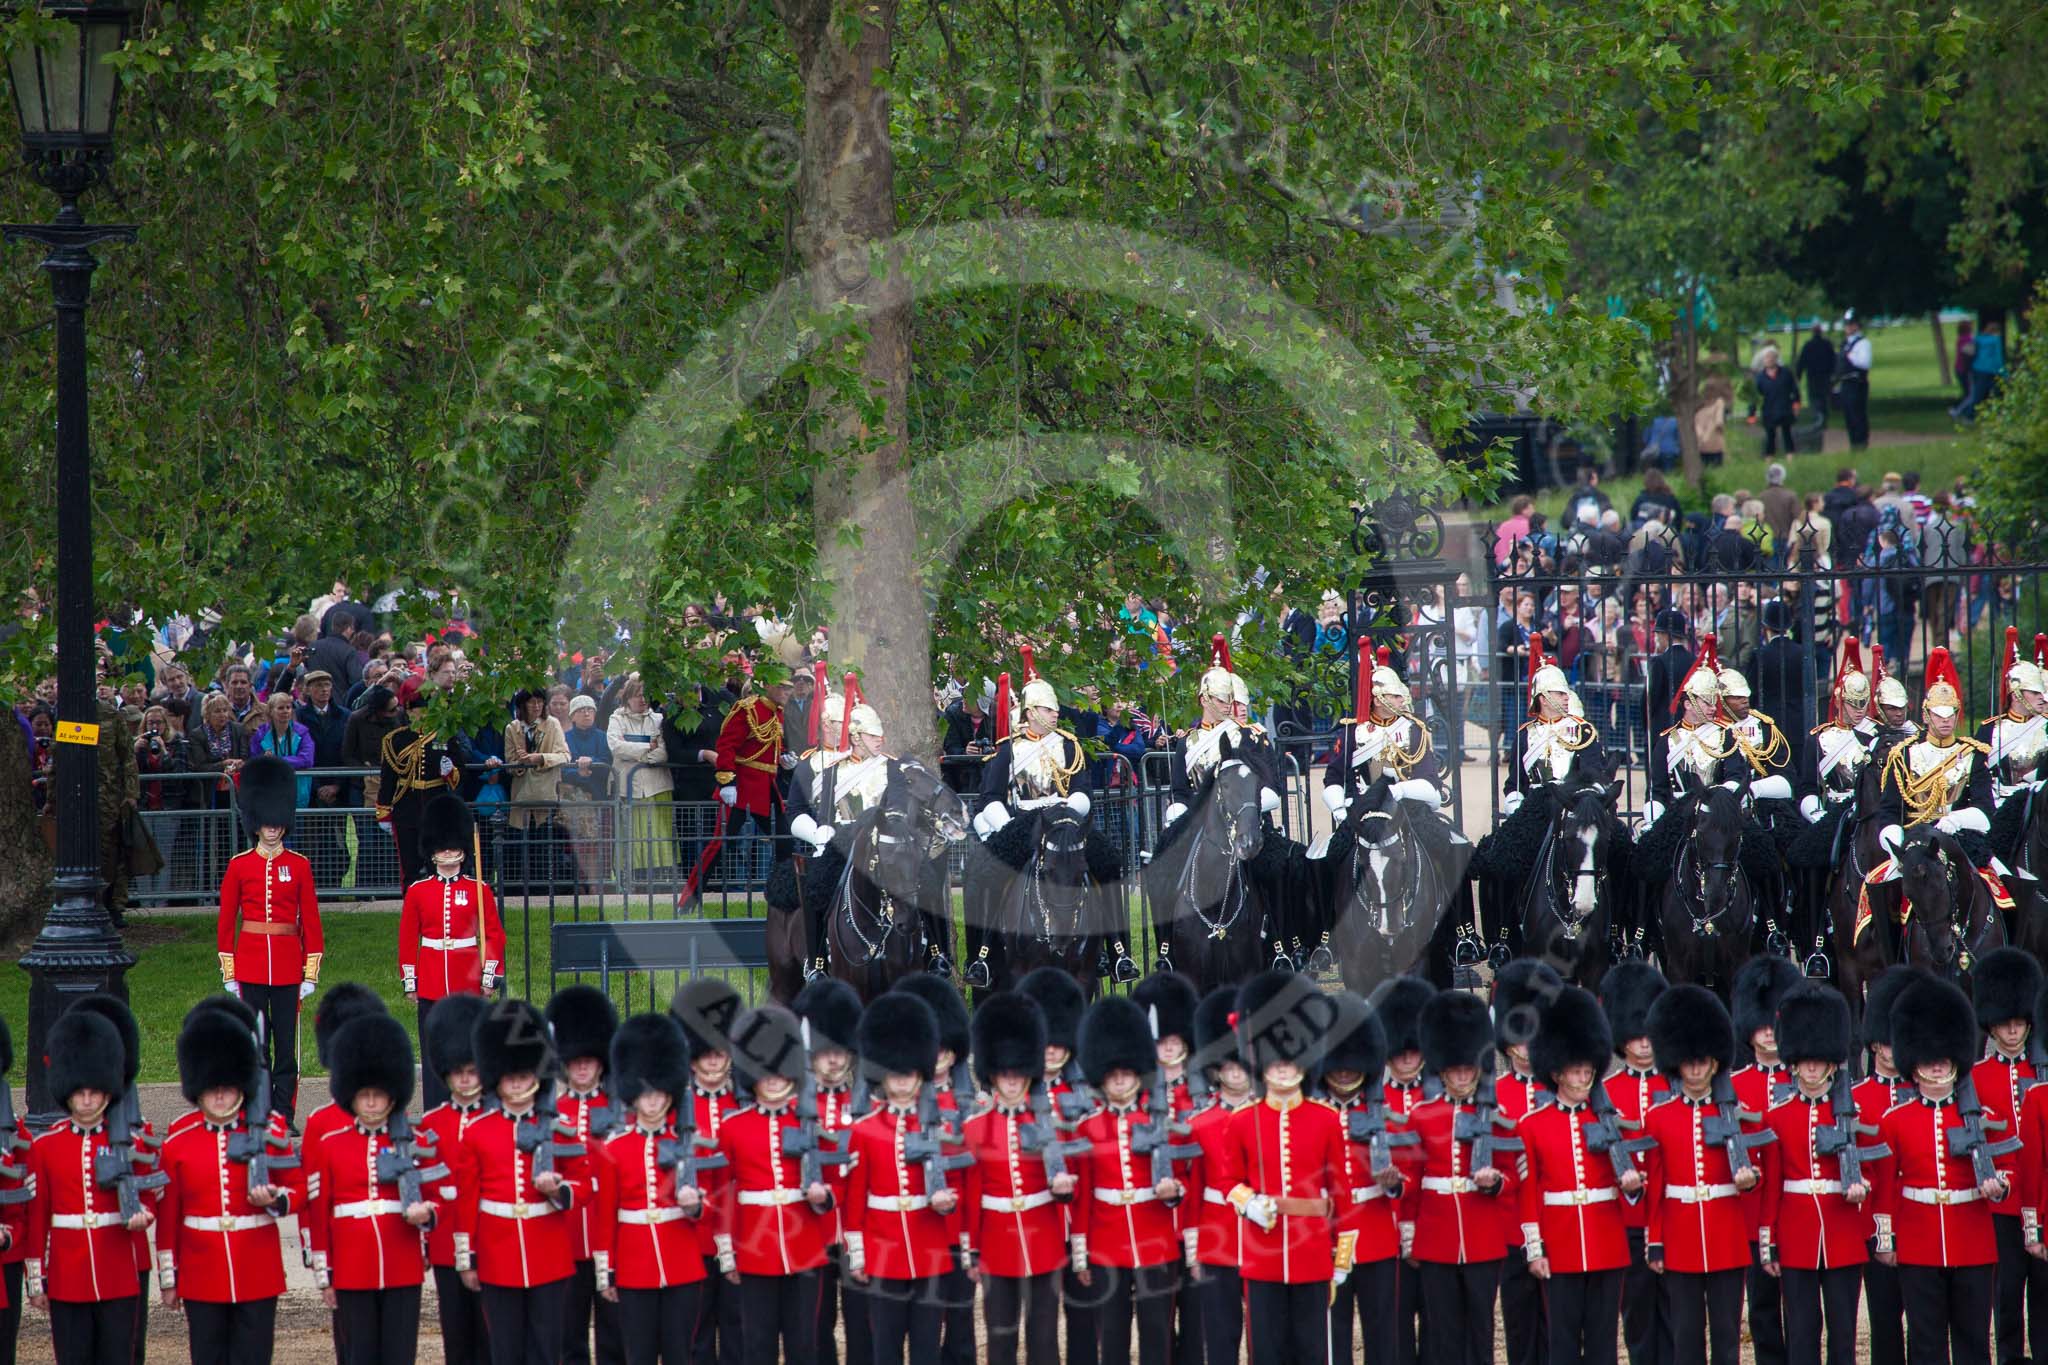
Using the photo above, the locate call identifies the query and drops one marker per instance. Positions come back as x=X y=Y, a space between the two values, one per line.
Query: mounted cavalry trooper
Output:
x=2017 y=741
x=1838 y=753
x=1199 y=751
x=1698 y=753
x=1386 y=740
x=1893 y=724
x=1757 y=739
x=1942 y=780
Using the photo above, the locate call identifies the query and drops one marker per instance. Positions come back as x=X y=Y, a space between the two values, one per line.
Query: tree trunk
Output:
x=846 y=223
x=1948 y=375
x=24 y=858
x=1685 y=390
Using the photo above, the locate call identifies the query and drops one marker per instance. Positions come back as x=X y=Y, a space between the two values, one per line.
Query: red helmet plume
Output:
x=1003 y=699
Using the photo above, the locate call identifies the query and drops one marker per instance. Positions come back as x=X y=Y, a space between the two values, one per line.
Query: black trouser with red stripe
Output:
x=1766 y=1317
x=1645 y=1320
x=1887 y=1311
x=1585 y=1316
x=234 y=1333
x=375 y=1326
x=584 y=1303
x=779 y=1316
x=1704 y=1304
x=1026 y=1309
x=277 y=1012
x=2022 y=1292
x=1948 y=1313
x=92 y=1333
x=1364 y=1299
x=1220 y=1293
x=838 y=1293
x=1142 y=1292
x=1458 y=1302
x=1817 y=1300
x=1288 y=1322
x=658 y=1325
x=524 y=1326
x=461 y=1311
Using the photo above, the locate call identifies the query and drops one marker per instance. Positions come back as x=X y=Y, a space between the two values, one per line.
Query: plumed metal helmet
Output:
x=1009 y=1036
x=832 y=1009
x=1942 y=694
x=445 y=823
x=1734 y=683
x=1174 y=999
x=1932 y=1020
x=1813 y=1025
x=584 y=1020
x=899 y=1036
x=1572 y=1029
x=1059 y=997
x=1689 y=1024
x=450 y=1041
x=1760 y=984
x=511 y=1036
x=1549 y=678
x=1215 y=1036
x=866 y=720
x=649 y=1053
x=2004 y=986
x=1891 y=691
x=830 y=717
x=234 y=1006
x=1855 y=687
x=116 y=1012
x=707 y=1007
x=1216 y=680
x=84 y=1054
x=769 y=1041
x=1283 y=1017
x=339 y=1003
x=947 y=1007
x=1038 y=692
x=1116 y=1037
x=1627 y=992
x=1880 y=996
x=1457 y=1030
x=215 y=1049
x=2025 y=677
x=372 y=1053
x=266 y=793
x=1398 y=1003
x=1356 y=1041
x=1519 y=994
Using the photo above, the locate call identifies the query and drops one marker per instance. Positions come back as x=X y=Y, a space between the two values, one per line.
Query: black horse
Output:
x=1217 y=885
x=1568 y=907
x=1951 y=918
x=1044 y=893
x=2030 y=909
x=1708 y=909
x=888 y=910
x=1381 y=889
x=1854 y=852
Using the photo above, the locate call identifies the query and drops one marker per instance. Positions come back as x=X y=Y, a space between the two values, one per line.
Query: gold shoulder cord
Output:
x=1700 y=747
x=1402 y=760
x=407 y=760
x=769 y=733
x=1922 y=794
x=1585 y=739
x=1774 y=750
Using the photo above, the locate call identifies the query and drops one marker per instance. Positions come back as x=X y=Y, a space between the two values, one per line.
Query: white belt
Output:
x=771 y=1198
x=1604 y=1195
x=1449 y=1184
x=448 y=945
x=1212 y=1195
x=498 y=1208
x=651 y=1217
x=368 y=1208
x=230 y=1222
x=898 y=1203
x=1917 y=1195
x=85 y=1222
x=1365 y=1192
x=1699 y=1194
x=1021 y=1204
x=1123 y=1199
x=1813 y=1187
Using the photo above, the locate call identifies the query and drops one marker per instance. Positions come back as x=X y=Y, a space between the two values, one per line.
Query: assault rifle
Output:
x=260 y=1144
x=541 y=1133
x=1367 y=1126
x=1604 y=1134
x=412 y=1158
x=127 y=1147
x=1968 y=1137
x=1042 y=1135
x=1838 y=1139
x=1723 y=1127
x=1483 y=1126
x=927 y=1145
x=1076 y=1102
x=808 y=1142
x=689 y=1153
x=1155 y=1136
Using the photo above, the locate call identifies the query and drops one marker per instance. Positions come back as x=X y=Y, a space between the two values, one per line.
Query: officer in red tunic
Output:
x=368 y=1225
x=1398 y=1005
x=707 y=1008
x=2005 y=983
x=1013 y=1202
x=81 y=1266
x=1698 y=1237
x=1060 y=1000
x=1626 y=993
x=650 y=1235
x=900 y=1231
x=269 y=930
x=450 y=1048
x=584 y=1021
x=512 y=1240
x=1875 y=1094
x=1759 y=985
x=1349 y=1074
x=751 y=758
x=450 y=939
x=1519 y=989
x=832 y=1009
x=1815 y=1228
x=1933 y=1208
x=952 y=1086
x=1455 y=1184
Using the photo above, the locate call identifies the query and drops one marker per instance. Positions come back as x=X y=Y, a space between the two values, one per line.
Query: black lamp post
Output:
x=65 y=93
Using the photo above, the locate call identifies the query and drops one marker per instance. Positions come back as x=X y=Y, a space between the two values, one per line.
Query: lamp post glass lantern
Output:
x=66 y=95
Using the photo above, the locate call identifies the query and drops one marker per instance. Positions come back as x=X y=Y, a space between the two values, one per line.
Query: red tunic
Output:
x=357 y=1226
x=888 y=1217
x=1115 y=1208
x=448 y=1122
x=640 y=1234
x=762 y=1212
x=449 y=935
x=14 y=1217
x=79 y=1252
x=749 y=743
x=1633 y=1093
x=1370 y=1214
x=212 y=1243
x=1220 y=1229
x=1516 y=1095
x=1569 y=1200
x=575 y=1111
x=1804 y=1214
x=1696 y=1221
x=1758 y=1089
x=2033 y=1156
x=1013 y=1222
x=1455 y=1223
x=836 y=1116
x=1292 y=1150
x=259 y=890
x=505 y=1228
x=2002 y=1086
x=1928 y=1197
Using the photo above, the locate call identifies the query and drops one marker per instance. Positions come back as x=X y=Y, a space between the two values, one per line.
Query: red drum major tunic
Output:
x=1633 y=1093
x=448 y=1122
x=269 y=929
x=449 y=937
x=1294 y=1153
x=357 y=1226
x=773 y=1229
x=1455 y=1222
x=889 y=1222
x=78 y=1249
x=1696 y=1220
x=1806 y=1220
x=505 y=1229
x=640 y=1236
x=1116 y=1208
x=1569 y=1201
x=1926 y=1198
x=1013 y=1222
x=2002 y=1087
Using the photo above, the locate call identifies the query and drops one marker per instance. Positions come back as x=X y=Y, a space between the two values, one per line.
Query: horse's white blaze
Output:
x=1379 y=863
x=1585 y=891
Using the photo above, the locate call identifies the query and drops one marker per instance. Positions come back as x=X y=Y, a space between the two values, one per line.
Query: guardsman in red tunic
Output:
x=751 y=758
x=239 y=1010
x=1398 y=1005
x=1698 y=1237
x=81 y=1257
x=1759 y=985
x=1219 y=1235
x=1521 y=987
x=1349 y=1074
x=1626 y=993
x=269 y=930
x=1875 y=1094
x=450 y=939
x=1578 y=1182
x=1464 y=1164
x=900 y=1231
x=832 y=1009
x=953 y=1087
x=1815 y=1229
x=649 y=1235
x=1286 y=1155
x=1169 y=999
x=1933 y=1210
x=376 y=1201
x=2006 y=982
x=512 y=1239
x=707 y=1008
x=342 y=1002
x=450 y=1049
x=145 y=1146
x=584 y=1021
x=14 y=1196
x=1060 y=999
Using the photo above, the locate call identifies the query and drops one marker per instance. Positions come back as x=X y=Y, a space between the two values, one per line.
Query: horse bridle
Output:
x=1045 y=934
x=884 y=914
x=1235 y=893
x=1706 y=925
x=1561 y=904
x=1960 y=896
x=1360 y=848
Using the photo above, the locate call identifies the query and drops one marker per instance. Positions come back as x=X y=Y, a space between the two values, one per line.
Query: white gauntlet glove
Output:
x=1263 y=1210
x=1512 y=802
x=1811 y=808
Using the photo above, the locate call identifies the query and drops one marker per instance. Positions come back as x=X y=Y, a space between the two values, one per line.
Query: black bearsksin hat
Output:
x=1215 y=1034
x=649 y=1053
x=1115 y=1036
x=116 y=1012
x=512 y=1036
x=1813 y=1025
x=215 y=1049
x=1399 y=1004
x=1520 y=992
x=707 y=1007
x=1760 y=984
x=372 y=1053
x=1356 y=1042
x=450 y=1042
x=1626 y=993
x=1457 y=1030
x=1689 y=1023
x=233 y=1006
x=445 y=822
x=1879 y=998
x=1174 y=997
x=584 y=1021
x=1060 y=999
x=899 y=1036
x=1572 y=1029
x=1283 y=1017
x=266 y=793
x=1932 y=1020
x=947 y=1007
x=1009 y=1036
x=341 y=1002
x=2004 y=985
x=84 y=1054
x=769 y=1041
x=832 y=1008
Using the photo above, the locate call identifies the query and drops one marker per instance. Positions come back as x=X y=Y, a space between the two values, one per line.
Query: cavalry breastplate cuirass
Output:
x=1204 y=749
x=1843 y=754
x=1924 y=757
x=2017 y=747
x=1693 y=756
x=1550 y=747
x=1041 y=767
